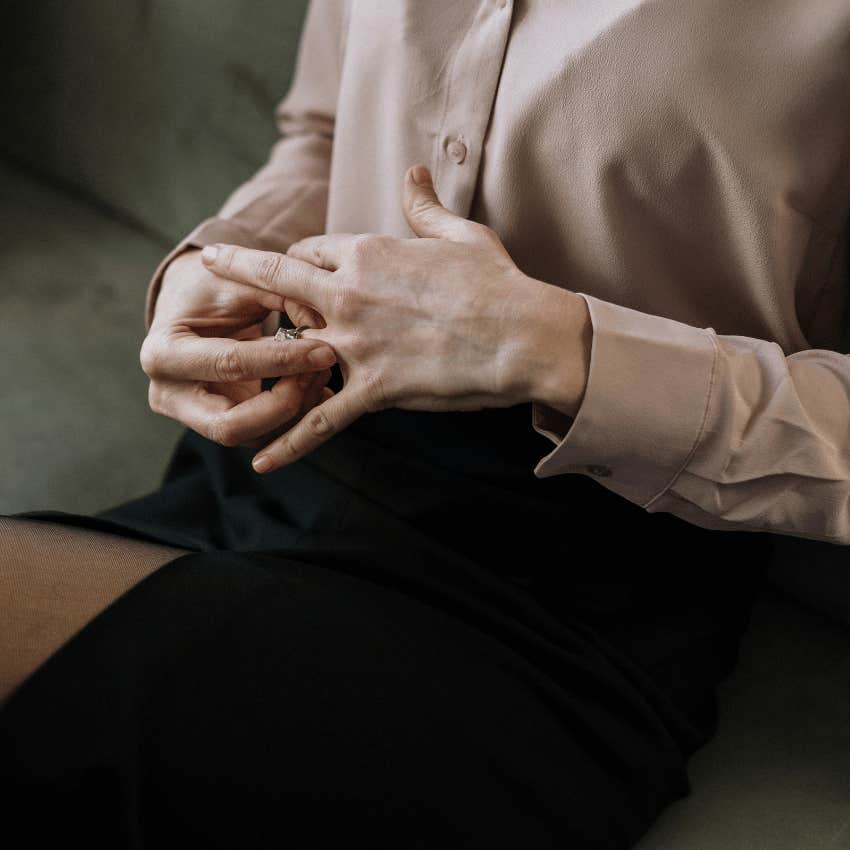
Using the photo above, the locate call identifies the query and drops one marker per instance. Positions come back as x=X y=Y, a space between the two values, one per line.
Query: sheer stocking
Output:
x=54 y=578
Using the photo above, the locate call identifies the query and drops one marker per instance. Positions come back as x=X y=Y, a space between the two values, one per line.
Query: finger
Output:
x=311 y=394
x=251 y=332
x=188 y=402
x=327 y=251
x=270 y=413
x=250 y=419
x=426 y=214
x=278 y=273
x=224 y=421
x=187 y=357
x=318 y=426
x=301 y=314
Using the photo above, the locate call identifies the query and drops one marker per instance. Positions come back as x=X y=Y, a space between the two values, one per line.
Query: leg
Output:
x=54 y=579
x=244 y=699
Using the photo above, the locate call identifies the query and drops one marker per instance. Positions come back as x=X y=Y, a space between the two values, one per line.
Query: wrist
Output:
x=557 y=334
x=182 y=266
x=165 y=271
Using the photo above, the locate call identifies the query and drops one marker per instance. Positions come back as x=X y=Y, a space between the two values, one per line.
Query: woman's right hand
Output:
x=205 y=355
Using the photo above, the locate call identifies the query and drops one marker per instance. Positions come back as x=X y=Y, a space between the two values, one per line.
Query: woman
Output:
x=407 y=624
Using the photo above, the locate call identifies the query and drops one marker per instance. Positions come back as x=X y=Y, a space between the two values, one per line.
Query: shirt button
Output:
x=598 y=469
x=456 y=151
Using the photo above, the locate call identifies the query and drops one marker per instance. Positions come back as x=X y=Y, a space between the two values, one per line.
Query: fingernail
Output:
x=323 y=356
x=305 y=380
x=209 y=254
x=419 y=175
x=262 y=463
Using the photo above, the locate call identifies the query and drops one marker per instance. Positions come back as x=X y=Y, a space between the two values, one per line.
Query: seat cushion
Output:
x=818 y=574
x=77 y=431
x=777 y=774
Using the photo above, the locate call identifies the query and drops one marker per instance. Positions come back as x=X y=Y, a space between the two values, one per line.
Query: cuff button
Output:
x=598 y=469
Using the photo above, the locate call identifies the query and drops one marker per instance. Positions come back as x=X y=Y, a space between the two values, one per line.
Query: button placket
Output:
x=470 y=94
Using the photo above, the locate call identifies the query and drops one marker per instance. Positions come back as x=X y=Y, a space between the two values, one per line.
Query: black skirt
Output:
x=405 y=639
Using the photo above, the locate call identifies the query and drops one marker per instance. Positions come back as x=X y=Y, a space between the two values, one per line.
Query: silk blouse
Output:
x=683 y=166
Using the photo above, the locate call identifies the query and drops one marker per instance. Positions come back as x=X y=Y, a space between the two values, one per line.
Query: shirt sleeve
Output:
x=287 y=198
x=726 y=432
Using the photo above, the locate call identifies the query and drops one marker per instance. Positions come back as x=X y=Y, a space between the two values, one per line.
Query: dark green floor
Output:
x=76 y=435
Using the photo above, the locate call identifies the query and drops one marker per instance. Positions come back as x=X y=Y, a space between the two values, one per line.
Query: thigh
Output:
x=53 y=580
x=243 y=699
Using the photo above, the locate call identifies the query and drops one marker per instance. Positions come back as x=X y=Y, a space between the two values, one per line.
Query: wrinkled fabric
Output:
x=685 y=167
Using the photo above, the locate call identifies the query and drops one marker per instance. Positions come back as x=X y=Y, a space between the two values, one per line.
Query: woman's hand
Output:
x=206 y=354
x=442 y=322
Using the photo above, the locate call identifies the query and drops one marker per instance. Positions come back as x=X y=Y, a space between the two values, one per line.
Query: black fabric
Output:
x=405 y=637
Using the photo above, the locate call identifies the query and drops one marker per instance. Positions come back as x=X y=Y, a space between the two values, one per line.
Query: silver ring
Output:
x=291 y=333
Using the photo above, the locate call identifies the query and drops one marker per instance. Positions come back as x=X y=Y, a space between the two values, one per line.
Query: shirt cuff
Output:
x=644 y=408
x=206 y=233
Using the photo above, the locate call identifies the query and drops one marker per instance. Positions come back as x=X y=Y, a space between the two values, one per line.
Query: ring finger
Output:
x=222 y=420
x=315 y=393
x=188 y=357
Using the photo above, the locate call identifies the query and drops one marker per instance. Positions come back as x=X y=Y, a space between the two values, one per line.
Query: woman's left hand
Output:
x=441 y=322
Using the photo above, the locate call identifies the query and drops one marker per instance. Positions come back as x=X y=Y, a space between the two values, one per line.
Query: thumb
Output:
x=423 y=210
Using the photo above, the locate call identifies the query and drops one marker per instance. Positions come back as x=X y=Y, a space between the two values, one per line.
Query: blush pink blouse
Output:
x=684 y=167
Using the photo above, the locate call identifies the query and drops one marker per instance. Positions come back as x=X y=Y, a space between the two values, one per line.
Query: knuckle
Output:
x=298 y=313
x=381 y=242
x=344 y=293
x=293 y=355
x=269 y=268
x=318 y=423
x=365 y=247
x=374 y=391
x=223 y=431
x=422 y=206
x=224 y=301
x=316 y=254
x=484 y=231
x=229 y=365
x=290 y=407
x=149 y=357
x=155 y=398
x=224 y=260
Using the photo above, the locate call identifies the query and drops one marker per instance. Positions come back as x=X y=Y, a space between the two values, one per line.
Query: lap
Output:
x=250 y=698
